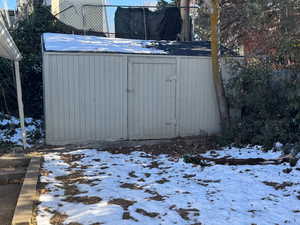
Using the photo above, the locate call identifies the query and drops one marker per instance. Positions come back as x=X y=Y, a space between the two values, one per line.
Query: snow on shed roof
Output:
x=78 y=43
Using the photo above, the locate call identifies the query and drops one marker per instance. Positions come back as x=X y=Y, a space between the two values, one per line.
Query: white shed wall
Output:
x=97 y=96
x=84 y=97
x=197 y=102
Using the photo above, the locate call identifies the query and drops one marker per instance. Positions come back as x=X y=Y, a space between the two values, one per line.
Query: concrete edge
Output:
x=28 y=194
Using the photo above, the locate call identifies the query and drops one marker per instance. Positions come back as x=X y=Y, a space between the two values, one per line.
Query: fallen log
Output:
x=204 y=161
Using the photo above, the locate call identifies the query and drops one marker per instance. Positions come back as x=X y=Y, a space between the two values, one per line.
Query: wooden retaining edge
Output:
x=28 y=194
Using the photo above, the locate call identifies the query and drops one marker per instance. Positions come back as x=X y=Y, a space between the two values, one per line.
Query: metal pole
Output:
x=20 y=103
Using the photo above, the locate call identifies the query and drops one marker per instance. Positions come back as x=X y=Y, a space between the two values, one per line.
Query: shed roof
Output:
x=54 y=42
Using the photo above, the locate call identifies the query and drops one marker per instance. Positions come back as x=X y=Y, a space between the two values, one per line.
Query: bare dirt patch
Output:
x=87 y=200
x=147 y=174
x=70 y=158
x=162 y=181
x=42 y=189
x=145 y=213
x=189 y=175
x=127 y=216
x=154 y=164
x=156 y=196
x=72 y=190
x=184 y=213
x=124 y=203
x=176 y=147
x=132 y=174
x=131 y=186
x=71 y=178
x=279 y=186
x=76 y=177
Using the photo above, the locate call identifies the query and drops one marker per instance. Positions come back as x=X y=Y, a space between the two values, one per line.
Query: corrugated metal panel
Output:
x=151 y=98
x=197 y=109
x=91 y=97
x=85 y=97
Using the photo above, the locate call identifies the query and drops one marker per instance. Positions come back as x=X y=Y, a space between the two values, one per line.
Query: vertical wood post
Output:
x=220 y=92
x=20 y=102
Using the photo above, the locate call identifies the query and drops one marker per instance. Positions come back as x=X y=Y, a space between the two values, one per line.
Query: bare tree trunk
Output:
x=186 y=23
x=215 y=50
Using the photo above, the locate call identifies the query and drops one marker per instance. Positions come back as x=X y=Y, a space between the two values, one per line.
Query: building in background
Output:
x=86 y=15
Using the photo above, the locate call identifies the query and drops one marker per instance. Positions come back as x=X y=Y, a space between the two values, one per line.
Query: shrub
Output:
x=266 y=103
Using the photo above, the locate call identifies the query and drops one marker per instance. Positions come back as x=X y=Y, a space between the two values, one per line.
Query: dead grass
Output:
x=58 y=218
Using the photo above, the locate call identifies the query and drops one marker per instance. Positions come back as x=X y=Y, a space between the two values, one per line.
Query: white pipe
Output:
x=20 y=103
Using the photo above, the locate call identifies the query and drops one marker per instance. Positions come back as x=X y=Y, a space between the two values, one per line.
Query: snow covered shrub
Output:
x=10 y=131
x=267 y=102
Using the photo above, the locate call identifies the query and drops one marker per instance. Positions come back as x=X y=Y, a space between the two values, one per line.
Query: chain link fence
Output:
x=100 y=18
x=88 y=18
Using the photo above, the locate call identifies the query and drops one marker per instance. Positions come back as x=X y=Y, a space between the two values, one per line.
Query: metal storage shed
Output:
x=99 y=88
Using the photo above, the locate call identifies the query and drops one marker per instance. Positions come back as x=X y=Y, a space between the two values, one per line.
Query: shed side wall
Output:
x=197 y=110
x=84 y=97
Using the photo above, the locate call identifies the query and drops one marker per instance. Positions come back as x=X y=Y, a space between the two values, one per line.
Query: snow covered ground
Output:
x=96 y=187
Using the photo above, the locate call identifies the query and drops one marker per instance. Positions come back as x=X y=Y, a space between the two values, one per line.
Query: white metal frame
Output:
x=10 y=51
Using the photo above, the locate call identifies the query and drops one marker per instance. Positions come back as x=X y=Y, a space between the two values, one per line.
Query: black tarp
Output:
x=141 y=23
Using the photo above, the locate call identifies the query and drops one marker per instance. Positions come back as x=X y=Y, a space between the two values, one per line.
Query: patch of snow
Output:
x=80 y=43
x=171 y=191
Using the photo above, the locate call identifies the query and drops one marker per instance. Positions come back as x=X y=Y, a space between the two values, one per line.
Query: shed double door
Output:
x=151 y=98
